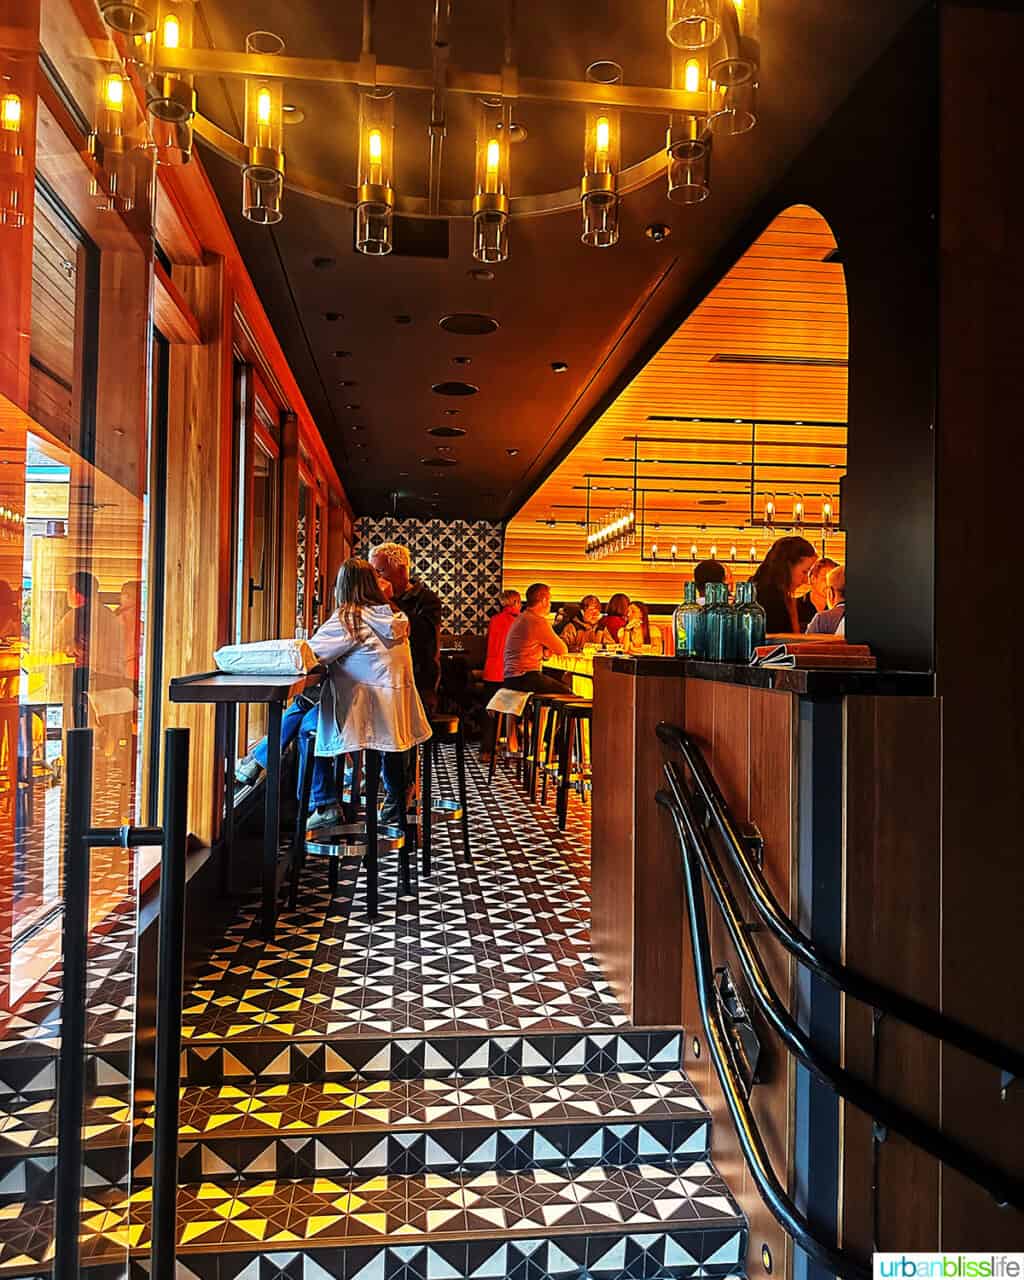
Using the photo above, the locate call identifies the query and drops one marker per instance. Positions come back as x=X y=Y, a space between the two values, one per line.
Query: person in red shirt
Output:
x=615 y=615
x=494 y=665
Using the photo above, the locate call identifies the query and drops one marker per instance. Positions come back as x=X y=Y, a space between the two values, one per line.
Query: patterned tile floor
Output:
x=498 y=941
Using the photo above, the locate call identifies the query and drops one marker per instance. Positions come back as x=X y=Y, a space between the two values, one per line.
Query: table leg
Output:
x=426 y=803
x=227 y=719
x=372 y=851
x=272 y=820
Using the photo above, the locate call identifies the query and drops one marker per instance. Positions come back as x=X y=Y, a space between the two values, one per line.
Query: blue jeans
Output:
x=299 y=715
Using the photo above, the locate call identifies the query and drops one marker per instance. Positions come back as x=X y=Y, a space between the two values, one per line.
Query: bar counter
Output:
x=774 y=739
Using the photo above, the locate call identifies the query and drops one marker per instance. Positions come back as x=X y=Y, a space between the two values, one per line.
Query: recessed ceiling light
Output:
x=347 y=382
x=449 y=433
x=480 y=273
x=361 y=426
x=511 y=452
x=444 y=448
x=438 y=462
x=353 y=407
x=468 y=324
x=657 y=231
x=454 y=389
x=462 y=360
x=559 y=366
x=292 y=114
x=450 y=413
x=341 y=355
x=403 y=319
x=323 y=264
x=403 y=475
x=332 y=316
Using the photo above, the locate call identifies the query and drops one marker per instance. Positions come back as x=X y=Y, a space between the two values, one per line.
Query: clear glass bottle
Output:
x=686 y=624
x=750 y=622
x=719 y=639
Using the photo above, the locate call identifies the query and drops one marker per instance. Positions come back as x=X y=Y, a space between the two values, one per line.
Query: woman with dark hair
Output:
x=780 y=573
x=615 y=615
x=638 y=634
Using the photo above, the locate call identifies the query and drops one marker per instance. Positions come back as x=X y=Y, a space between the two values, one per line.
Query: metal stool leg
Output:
x=564 y=765
x=460 y=765
x=551 y=741
x=404 y=867
x=298 y=855
x=371 y=856
x=499 y=725
x=426 y=802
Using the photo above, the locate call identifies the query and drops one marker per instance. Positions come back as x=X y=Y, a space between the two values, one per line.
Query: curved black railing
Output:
x=913 y=1013
x=700 y=863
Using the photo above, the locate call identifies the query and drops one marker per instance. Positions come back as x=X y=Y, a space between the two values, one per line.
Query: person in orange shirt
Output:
x=494 y=664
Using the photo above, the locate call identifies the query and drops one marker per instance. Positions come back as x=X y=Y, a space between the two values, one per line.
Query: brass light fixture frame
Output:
x=439 y=81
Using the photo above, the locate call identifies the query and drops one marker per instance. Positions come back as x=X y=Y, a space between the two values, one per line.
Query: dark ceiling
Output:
x=555 y=299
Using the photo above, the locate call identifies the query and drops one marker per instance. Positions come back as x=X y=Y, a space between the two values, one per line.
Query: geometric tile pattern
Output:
x=496 y=941
x=459 y=559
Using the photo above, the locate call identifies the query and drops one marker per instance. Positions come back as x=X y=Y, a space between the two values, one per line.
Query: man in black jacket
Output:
x=423 y=609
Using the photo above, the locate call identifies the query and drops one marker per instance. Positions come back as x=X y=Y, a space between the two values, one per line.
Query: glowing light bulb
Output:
x=493 y=163
x=798 y=510
x=693 y=551
x=826 y=512
x=654 y=551
x=10 y=112
x=769 y=510
x=172 y=32
x=732 y=552
x=263 y=106
x=691 y=76
x=753 y=552
x=113 y=93
x=675 y=550
x=375 y=144
x=602 y=143
x=713 y=551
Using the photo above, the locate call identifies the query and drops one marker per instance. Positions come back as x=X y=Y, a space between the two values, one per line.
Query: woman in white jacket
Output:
x=369 y=700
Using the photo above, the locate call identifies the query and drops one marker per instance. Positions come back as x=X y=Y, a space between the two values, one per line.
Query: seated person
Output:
x=816 y=594
x=494 y=665
x=615 y=615
x=705 y=572
x=530 y=637
x=584 y=628
x=638 y=633
x=827 y=622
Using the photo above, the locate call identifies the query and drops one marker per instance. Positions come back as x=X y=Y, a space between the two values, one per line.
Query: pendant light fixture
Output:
x=693 y=24
x=112 y=185
x=263 y=175
x=491 y=200
x=599 y=192
x=375 y=211
x=130 y=17
x=12 y=161
x=734 y=70
x=171 y=96
x=688 y=142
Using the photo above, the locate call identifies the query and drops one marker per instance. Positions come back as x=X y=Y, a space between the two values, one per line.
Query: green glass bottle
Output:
x=686 y=624
x=750 y=622
x=719 y=624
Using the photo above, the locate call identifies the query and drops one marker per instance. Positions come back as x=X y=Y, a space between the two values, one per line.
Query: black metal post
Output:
x=426 y=803
x=71 y=1064
x=307 y=743
x=227 y=722
x=170 y=990
x=372 y=832
x=272 y=820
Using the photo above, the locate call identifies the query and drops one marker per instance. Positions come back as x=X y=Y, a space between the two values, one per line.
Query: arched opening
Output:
x=733 y=434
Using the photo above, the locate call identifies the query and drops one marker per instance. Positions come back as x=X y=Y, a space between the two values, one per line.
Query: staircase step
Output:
x=407 y=1058
x=440 y=1125
x=612 y=1224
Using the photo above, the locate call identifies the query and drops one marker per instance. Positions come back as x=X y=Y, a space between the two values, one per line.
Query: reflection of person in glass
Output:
x=90 y=635
x=129 y=616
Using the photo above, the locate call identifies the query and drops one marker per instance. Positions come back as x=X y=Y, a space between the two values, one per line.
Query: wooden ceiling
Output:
x=715 y=438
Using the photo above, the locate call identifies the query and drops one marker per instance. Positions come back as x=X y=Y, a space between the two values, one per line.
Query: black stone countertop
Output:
x=815 y=683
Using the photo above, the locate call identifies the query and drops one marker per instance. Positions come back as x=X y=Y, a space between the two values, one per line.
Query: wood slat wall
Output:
x=781 y=300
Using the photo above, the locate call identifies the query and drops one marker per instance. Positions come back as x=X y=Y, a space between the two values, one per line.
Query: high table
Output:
x=226 y=693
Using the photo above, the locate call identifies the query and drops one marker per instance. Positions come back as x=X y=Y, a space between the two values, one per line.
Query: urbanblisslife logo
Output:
x=948 y=1266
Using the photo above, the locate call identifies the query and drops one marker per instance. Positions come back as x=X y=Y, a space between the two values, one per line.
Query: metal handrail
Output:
x=895 y=1004
x=79 y=838
x=1004 y=1189
x=836 y=1261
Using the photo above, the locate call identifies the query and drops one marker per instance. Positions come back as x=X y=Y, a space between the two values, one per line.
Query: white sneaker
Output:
x=247 y=770
x=320 y=818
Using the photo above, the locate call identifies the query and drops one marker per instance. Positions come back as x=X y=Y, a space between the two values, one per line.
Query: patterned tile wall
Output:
x=459 y=559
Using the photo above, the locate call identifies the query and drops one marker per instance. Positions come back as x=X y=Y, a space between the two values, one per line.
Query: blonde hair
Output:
x=391 y=553
x=509 y=597
x=356 y=587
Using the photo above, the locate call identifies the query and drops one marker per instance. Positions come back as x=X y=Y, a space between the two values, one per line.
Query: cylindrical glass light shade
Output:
x=601 y=161
x=130 y=17
x=491 y=198
x=263 y=176
x=12 y=162
x=170 y=96
x=374 y=213
x=734 y=70
x=693 y=24
x=114 y=113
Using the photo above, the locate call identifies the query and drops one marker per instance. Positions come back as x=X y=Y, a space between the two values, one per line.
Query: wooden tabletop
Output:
x=216 y=686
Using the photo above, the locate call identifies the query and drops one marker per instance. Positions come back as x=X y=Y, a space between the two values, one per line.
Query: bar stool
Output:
x=353 y=835
x=540 y=751
x=504 y=720
x=446 y=730
x=573 y=716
